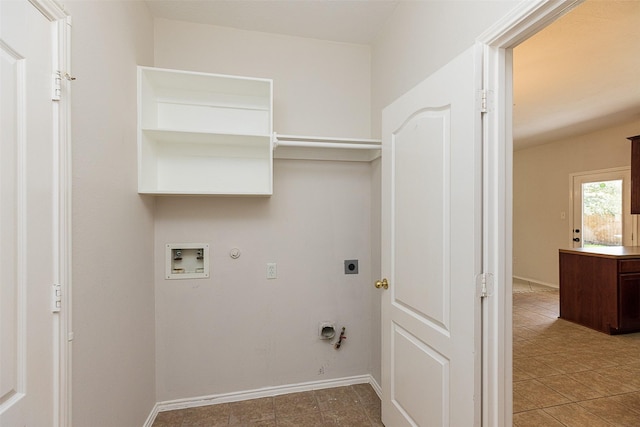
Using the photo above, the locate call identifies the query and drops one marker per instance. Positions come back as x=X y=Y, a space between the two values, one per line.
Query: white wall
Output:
x=320 y=87
x=541 y=190
x=237 y=330
x=113 y=292
x=421 y=37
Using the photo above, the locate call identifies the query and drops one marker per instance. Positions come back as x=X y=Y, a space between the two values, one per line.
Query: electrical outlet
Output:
x=272 y=270
x=350 y=266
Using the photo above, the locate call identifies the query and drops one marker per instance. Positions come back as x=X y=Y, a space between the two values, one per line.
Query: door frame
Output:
x=525 y=20
x=63 y=335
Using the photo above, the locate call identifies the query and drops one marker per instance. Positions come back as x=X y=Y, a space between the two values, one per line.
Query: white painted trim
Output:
x=51 y=9
x=536 y=281
x=213 y=399
x=572 y=211
x=526 y=19
x=64 y=418
x=61 y=39
x=152 y=416
x=601 y=171
x=376 y=387
x=259 y=393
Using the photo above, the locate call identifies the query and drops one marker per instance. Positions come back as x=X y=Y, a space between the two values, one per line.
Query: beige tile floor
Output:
x=568 y=375
x=563 y=375
x=354 y=406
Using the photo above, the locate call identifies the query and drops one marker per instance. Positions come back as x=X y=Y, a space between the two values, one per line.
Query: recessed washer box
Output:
x=187 y=261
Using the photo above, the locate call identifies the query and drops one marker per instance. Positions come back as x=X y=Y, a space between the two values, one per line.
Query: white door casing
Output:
x=525 y=20
x=431 y=256
x=34 y=215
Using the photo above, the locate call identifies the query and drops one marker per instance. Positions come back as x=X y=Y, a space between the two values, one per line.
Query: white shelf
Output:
x=203 y=133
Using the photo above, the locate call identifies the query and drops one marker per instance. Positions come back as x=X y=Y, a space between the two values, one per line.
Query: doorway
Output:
x=556 y=213
x=497 y=340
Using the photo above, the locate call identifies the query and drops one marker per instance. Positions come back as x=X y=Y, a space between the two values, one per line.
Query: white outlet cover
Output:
x=272 y=270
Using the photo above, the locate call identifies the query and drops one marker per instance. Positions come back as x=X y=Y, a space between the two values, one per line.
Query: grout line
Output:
x=540 y=333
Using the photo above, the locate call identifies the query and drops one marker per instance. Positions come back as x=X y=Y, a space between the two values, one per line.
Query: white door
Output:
x=27 y=217
x=602 y=209
x=431 y=239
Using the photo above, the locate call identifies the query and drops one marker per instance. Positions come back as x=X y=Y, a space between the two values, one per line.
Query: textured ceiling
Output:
x=579 y=74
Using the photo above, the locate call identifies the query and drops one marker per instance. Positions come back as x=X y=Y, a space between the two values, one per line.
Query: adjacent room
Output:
x=574 y=112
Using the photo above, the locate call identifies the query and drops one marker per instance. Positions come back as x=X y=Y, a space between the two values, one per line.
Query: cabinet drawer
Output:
x=629 y=266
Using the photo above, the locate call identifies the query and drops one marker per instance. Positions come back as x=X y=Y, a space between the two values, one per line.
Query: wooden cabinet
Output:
x=635 y=174
x=600 y=288
x=202 y=133
x=629 y=301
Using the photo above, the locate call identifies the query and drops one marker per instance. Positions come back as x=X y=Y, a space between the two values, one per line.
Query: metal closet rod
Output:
x=325 y=142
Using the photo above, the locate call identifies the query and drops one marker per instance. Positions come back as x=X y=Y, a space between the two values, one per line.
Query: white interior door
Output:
x=431 y=239
x=27 y=216
x=602 y=209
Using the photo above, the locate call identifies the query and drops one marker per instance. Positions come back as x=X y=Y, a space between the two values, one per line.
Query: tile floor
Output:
x=354 y=406
x=568 y=375
x=564 y=375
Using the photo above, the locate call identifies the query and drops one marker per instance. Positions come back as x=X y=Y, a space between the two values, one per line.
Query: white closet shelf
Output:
x=202 y=133
x=304 y=147
x=185 y=136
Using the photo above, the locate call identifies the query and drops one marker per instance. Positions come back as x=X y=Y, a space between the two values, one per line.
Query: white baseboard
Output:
x=152 y=416
x=376 y=386
x=213 y=399
x=538 y=282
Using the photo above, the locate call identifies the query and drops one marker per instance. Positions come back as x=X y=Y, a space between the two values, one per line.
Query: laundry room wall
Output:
x=113 y=313
x=421 y=37
x=237 y=330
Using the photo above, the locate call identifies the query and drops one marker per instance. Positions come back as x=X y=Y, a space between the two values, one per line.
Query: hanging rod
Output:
x=310 y=144
x=325 y=142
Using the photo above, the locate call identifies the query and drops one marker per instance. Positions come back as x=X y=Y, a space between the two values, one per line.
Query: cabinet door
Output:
x=629 y=301
x=635 y=174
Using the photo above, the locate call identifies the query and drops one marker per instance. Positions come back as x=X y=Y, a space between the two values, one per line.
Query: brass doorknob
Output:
x=382 y=284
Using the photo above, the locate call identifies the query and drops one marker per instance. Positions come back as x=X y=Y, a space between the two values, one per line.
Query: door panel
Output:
x=424 y=248
x=431 y=236
x=27 y=216
x=12 y=337
x=420 y=369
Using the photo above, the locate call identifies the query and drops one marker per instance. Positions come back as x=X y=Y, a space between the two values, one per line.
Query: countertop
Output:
x=617 y=252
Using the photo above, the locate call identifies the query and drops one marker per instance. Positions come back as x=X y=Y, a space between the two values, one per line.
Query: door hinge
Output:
x=57 y=86
x=484 y=285
x=485 y=100
x=56 y=298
